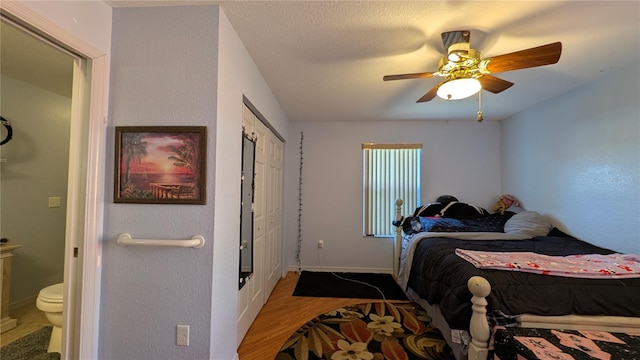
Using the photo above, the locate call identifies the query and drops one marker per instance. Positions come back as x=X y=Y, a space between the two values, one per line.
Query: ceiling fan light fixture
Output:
x=455 y=56
x=456 y=89
x=457 y=51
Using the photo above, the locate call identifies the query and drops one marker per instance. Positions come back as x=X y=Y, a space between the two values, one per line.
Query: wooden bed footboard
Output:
x=397 y=246
x=479 y=326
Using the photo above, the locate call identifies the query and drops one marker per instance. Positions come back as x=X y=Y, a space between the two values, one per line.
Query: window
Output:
x=391 y=172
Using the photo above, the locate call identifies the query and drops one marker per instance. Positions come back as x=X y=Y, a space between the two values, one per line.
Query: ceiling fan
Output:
x=465 y=72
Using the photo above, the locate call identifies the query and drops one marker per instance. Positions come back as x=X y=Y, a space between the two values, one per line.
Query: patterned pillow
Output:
x=437 y=224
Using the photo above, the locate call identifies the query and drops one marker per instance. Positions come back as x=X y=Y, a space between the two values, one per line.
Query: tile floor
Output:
x=29 y=319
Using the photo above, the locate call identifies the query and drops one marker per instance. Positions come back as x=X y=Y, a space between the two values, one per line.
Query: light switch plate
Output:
x=54 y=201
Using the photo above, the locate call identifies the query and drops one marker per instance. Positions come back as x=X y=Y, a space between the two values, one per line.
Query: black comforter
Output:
x=439 y=276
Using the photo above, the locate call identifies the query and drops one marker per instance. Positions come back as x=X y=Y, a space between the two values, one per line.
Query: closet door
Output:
x=259 y=297
x=273 y=251
x=267 y=222
x=248 y=120
x=251 y=296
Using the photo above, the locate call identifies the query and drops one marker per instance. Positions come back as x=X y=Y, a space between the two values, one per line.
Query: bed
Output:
x=466 y=302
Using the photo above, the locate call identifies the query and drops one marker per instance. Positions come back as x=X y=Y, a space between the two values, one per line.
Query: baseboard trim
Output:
x=28 y=301
x=342 y=269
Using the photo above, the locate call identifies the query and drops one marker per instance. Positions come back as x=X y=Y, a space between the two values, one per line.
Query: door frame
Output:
x=85 y=199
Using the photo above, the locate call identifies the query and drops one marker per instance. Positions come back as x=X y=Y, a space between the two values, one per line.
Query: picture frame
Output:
x=160 y=164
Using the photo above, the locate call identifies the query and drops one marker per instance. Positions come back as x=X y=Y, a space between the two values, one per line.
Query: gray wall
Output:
x=577 y=159
x=461 y=158
x=163 y=72
x=36 y=169
x=179 y=66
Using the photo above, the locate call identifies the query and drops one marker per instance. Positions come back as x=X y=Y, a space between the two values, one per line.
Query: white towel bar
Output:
x=195 y=242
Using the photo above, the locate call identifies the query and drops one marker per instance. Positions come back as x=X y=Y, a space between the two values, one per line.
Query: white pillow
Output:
x=515 y=208
x=528 y=223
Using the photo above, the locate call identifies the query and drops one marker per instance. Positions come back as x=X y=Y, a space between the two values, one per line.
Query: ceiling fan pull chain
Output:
x=480 y=118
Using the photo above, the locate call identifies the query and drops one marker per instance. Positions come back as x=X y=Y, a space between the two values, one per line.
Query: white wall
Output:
x=459 y=158
x=577 y=159
x=36 y=169
x=89 y=21
x=237 y=76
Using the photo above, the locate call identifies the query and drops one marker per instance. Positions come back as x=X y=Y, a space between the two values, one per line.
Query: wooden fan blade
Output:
x=424 y=75
x=494 y=84
x=429 y=95
x=537 y=56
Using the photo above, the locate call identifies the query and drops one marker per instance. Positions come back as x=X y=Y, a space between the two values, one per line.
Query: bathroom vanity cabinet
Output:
x=6 y=253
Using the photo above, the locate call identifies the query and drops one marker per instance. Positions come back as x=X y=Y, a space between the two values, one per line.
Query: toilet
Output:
x=50 y=302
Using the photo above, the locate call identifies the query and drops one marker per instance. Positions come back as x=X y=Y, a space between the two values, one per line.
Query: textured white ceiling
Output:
x=324 y=60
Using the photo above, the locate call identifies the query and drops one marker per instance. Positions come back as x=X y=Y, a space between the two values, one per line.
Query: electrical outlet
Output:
x=182 y=335
x=320 y=244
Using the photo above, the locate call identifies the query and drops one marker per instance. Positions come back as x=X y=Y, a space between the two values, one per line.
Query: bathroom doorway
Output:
x=36 y=106
x=80 y=196
x=35 y=98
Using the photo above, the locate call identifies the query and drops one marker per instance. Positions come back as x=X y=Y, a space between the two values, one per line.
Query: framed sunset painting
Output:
x=160 y=164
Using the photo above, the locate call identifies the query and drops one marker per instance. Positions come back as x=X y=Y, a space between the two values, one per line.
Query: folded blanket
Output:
x=593 y=266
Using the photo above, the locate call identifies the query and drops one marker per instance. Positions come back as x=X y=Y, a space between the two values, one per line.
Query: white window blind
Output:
x=391 y=172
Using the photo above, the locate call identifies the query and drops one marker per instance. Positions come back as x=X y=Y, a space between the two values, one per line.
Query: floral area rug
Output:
x=370 y=331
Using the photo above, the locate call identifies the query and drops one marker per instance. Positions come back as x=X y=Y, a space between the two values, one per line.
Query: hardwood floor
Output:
x=29 y=319
x=282 y=315
x=279 y=318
